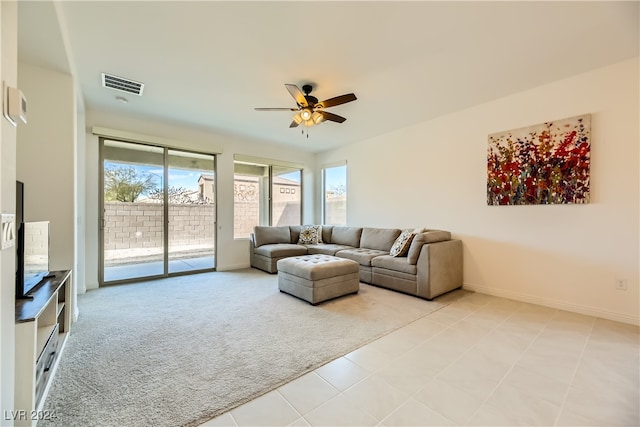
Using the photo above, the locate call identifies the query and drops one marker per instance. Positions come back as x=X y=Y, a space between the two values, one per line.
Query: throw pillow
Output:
x=401 y=245
x=310 y=235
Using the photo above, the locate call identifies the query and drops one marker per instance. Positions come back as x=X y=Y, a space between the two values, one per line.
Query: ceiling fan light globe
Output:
x=305 y=114
x=317 y=117
x=297 y=118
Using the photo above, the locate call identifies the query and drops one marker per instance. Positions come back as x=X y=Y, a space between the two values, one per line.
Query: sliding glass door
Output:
x=192 y=221
x=133 y=211
x=158 y=211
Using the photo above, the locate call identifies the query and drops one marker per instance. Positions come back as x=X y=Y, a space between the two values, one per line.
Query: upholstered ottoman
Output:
x=317 y=278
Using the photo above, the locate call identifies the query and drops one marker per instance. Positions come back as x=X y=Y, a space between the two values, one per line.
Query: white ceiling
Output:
x=207 y=64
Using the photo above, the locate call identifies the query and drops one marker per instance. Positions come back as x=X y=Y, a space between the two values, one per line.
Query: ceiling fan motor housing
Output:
x=311 y=100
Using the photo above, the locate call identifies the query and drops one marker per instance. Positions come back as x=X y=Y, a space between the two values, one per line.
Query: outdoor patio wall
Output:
x=247 y=215
x=139 y=225
x=434 y=174
x=335 y=210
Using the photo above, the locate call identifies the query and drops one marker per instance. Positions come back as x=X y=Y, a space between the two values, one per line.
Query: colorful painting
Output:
x=540 y=165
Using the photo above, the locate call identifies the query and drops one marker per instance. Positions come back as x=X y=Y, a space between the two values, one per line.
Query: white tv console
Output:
x=42 y=328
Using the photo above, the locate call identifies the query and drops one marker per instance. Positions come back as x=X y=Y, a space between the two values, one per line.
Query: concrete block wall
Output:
x=36 y=248
x=286 y=213
x=336 y=211
x=140 y=225
x=36 y=236
x=246 y=214
x=191 y=225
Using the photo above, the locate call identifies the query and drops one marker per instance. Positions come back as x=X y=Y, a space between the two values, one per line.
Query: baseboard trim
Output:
x=561 y=305
x=233 y=267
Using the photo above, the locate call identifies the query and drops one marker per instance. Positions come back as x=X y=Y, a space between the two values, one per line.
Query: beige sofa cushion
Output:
x=378 y=238
x=349 y=236
x=265 y=235
x=326 y=248
x=295 y=232
x=431 y=236
x=394 y=263
x=362 y=255
x=278 y=250
x=326 y=233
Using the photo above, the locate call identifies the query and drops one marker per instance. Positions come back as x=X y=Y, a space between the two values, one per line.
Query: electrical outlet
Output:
x=621 y=284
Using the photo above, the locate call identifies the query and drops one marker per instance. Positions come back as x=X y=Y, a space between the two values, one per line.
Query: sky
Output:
x=177 y=177
x=335 y=176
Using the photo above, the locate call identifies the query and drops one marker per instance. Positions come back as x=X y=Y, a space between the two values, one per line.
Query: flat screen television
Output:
x=32 y=249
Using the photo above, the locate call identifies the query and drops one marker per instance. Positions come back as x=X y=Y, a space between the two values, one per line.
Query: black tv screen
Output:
x=19 y=240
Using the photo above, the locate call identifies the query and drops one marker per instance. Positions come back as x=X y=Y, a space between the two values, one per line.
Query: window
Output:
x=265 y=194
x=286 y=208
x=334 y=190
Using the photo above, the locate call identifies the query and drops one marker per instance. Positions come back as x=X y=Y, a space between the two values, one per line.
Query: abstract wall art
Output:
x=540 y=165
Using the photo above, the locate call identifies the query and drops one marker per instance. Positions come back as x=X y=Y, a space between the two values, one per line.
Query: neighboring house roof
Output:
x=284 y=181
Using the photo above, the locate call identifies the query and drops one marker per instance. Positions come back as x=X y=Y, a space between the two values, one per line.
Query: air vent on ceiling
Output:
x=122 y=84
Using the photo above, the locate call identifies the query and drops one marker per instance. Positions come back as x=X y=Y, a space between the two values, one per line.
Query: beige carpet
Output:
x=180 y=351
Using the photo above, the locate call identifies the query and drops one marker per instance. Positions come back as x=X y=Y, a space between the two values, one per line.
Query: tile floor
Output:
x=481 y=361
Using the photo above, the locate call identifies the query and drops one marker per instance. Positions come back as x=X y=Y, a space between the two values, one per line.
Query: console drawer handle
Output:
x=50 y=361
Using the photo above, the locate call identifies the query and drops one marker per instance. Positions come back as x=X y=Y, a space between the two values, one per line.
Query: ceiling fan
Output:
x=309 y=111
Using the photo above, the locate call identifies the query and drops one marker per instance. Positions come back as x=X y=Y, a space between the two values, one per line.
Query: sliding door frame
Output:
x=101 y=214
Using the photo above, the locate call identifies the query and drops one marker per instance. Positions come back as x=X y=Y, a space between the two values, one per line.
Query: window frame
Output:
x=323 y=189
x=265 y=218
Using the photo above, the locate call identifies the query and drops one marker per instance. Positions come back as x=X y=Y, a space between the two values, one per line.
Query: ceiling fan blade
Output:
x=293 y=124
x=332 y=102
x=332 y=117
x=276 y=109
x=297 y=95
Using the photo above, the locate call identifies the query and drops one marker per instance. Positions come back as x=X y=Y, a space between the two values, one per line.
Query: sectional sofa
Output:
x=432 y=265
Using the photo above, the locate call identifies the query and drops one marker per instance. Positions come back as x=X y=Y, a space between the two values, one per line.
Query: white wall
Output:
x=567 y=256
x=9 y=75
x=45 y=157
x=231 y=254
x=80 y=200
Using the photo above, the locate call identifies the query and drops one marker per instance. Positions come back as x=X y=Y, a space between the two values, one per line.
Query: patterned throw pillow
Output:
x=403 y=242
x=310 y=235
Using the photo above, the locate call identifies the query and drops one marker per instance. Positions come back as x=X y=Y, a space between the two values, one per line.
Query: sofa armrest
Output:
x=431 y=236
x=439 y=268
